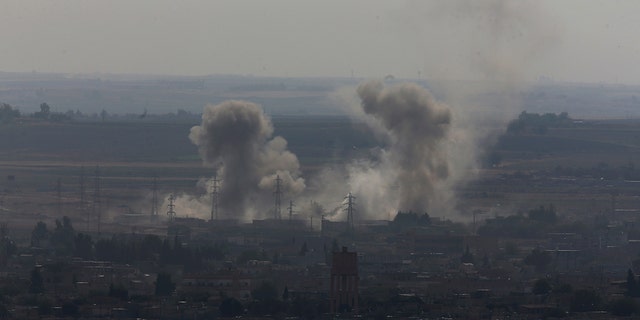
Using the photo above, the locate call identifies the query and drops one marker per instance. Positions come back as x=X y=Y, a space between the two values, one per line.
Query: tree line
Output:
x=538 y=123
x=9 y=114
x=63 y=240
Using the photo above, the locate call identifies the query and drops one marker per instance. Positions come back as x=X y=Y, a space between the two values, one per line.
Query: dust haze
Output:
x=235 y=139
x=431 y=136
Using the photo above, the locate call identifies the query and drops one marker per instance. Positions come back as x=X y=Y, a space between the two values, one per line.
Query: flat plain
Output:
x=578 y=168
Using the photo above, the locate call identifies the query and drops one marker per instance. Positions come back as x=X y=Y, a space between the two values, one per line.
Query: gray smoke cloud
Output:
x=497 y=44
x=235 y=139
x=417 y=125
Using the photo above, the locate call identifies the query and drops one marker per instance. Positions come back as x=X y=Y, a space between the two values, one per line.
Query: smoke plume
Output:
x=235 y=139
x=478 y=57
x=416 y=125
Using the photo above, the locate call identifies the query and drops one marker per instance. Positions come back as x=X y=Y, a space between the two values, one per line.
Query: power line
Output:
x=278 y=194
x=290 y=210
x=83 y=200
x=154 y=197
x=96 y=208
x=171 y=208
x=59 y=196
x=350 y=209
x=214 y=197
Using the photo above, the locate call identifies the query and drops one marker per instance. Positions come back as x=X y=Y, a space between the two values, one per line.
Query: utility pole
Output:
x=83 y=204
x=475 y=213
x=351 y=203
x=290 y=210
x=154 y=198
x=214 y=197
x=59 y=196
x=171 y=208
x=278 y=194
x=96 y=209
x=614 y=194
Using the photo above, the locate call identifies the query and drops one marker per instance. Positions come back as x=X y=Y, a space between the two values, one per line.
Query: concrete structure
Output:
x=344 y=282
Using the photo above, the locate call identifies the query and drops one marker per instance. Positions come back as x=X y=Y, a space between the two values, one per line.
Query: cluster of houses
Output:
x=379 y=268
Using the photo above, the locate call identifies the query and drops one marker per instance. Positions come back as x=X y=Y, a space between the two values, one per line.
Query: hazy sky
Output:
x=568 y=40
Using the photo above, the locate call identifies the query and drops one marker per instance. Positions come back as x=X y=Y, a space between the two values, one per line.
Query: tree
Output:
x=265 y=300
x=164 y=286
x=150 y=244
x=44 y=108
x=37 y=284
x=541 y=286
x=411 y=219
x=44 y=307
x=305 y=308
x=266 y=291
x=537 y=123
x=44 y=113
x=118 y=291
x=8 y=113
x=55 y=272
x=69 y=309
x=585 y=300
x=248 y=255
x=542 y=214
x=514 y=226
x=334 y=246
x=493 y=159
x=83 y=246
x=623 y=307
x=632 y=285
x=107 y=250
x=7 y=248
x=511 y=248
x=563 y=288
x=4 y=312
x=63 y=237
x=231 y=307
x=39 y=234
x=303 y=249
x=538 y=258
x=467 y=256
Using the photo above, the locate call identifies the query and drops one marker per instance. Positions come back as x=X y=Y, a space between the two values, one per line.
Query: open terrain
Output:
x=42 y=163
x=579 y=168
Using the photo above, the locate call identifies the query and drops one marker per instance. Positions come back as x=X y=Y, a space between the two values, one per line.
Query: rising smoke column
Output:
x=234 y=137
x=417 y=126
